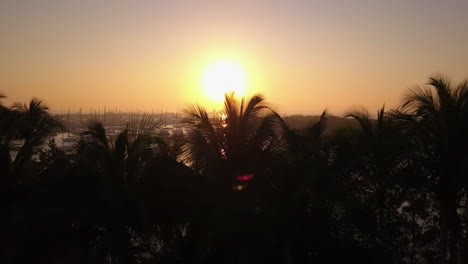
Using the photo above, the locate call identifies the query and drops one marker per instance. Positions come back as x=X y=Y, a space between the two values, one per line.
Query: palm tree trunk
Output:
x=449 y=226
x=381 y=208
x=443 y=231
x=455 y=229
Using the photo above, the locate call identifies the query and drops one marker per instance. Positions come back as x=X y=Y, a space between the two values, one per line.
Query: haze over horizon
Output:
x=304 y=56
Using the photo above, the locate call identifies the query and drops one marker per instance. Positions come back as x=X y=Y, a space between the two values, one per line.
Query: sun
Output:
x=224 y=76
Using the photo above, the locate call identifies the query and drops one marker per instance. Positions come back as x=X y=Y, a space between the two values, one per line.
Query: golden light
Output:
x=222 y=77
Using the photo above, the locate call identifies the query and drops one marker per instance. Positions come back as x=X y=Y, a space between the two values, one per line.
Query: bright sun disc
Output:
x=224 y=77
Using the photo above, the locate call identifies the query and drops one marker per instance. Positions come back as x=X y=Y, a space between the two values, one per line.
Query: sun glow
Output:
x=222 y=77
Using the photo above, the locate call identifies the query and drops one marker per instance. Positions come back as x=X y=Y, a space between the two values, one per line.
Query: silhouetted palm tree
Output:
x=237 y=142
x=381 y=159
x=304 y=190
x=379 y=155
x=308 y=155
x=437 y=117
x=237 y=150
x=119 y=162
x=31 y=123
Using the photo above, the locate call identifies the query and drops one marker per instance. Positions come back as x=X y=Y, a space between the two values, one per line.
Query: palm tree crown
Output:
x=32 y=123
x=245 y=135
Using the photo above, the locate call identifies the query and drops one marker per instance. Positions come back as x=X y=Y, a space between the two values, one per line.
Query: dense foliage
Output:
x=242 y=187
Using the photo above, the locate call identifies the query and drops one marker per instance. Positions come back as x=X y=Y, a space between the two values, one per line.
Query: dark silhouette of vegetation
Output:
x=242 y=186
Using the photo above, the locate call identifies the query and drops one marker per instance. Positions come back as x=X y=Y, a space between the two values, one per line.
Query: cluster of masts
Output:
x=115 y=117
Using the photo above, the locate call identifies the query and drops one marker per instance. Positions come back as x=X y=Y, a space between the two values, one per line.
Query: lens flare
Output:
x=246 y=177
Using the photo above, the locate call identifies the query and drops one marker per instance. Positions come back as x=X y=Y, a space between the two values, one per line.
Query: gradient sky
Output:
x=304 y=56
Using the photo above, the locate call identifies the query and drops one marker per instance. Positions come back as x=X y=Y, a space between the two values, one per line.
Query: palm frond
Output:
x=143 y=125
x=198 y=152
x=381 y=117
x=254 y=111
x=18 y=106
x=442 y=87
x=199 y=119
x=97 y=134
x=121 y=145
x=265 y=135
x=361 y=115
x=231 y=110
x=34 y=124
x=317 y=129
x=420 y=101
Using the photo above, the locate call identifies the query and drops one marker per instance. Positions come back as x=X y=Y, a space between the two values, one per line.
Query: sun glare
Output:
x=223 y=77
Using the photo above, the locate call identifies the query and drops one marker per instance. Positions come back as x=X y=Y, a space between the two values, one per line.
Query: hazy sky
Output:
x=304 y=56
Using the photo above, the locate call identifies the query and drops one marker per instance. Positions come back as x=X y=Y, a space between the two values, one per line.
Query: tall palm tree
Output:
x=32 y=124
x=236 y=150
x=308 y=159
x=237 y=143
x=119 y=162
x=437 y=117
x=379 y=152
x=364 y=162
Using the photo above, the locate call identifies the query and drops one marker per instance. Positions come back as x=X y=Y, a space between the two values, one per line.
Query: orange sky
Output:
x=304 y=56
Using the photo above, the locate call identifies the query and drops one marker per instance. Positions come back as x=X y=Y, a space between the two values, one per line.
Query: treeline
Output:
x=242 y=188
